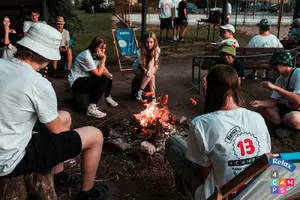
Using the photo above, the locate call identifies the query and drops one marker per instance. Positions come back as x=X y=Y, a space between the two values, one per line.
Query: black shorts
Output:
x=182 y=22
x=176 y=22
x=284 y=109
x=165 y=23
x=45 y=150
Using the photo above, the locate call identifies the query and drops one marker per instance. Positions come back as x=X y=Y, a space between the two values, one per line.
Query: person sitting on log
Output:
x=34 y=136
x=7 y=34
x=228 y=54
x=89 y=75
x=222 y=142
x=35 y=15
x=146 y=65
x=295 y=32
x=282 y=109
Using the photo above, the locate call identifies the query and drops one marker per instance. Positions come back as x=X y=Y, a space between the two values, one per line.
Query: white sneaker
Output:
x=93 y=111
x=175 y=38
x=111 y=102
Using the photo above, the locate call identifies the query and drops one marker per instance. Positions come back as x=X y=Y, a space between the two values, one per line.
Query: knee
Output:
x=97 y=135
x=90 y=137
x=292 y=119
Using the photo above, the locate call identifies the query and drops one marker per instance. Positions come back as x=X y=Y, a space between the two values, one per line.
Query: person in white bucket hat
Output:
x=28 y=104
x=227 y=32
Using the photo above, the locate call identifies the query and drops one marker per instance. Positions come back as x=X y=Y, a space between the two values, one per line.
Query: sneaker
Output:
x=252 y=76
x=98 y=192
x=111 y=102
x=175 y=38
x=93 y=111
x=139 y=95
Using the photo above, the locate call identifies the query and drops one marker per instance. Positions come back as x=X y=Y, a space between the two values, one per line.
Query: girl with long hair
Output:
x=6 y=34
x=222 y=142
x=90 y=75
x=147 y=64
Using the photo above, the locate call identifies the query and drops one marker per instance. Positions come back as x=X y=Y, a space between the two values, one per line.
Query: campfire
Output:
x=155 y=119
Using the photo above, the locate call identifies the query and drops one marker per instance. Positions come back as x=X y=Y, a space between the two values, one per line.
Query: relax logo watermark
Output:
x=279 y=184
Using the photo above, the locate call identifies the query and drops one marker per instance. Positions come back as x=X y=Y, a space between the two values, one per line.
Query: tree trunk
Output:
x=36 y=184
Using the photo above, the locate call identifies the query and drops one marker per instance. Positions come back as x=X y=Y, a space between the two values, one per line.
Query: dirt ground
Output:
x=132 y=177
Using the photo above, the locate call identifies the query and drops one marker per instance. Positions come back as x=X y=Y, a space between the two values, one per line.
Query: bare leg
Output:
x=183 y=30
x=272 y=115
x=92 y=141
x=65 y=117
x=69 y=58
x=152 y=86
x=55 y=64
x=145 y=81
x=167 y=33
x=292 y=120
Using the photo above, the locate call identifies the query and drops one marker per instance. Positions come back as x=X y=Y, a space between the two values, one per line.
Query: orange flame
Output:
x=154 y=111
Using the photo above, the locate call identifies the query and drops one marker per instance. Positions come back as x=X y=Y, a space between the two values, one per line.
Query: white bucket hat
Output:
x=43 y=40
x=228 y=27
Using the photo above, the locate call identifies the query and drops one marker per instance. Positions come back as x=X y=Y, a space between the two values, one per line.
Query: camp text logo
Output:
x=280 y=185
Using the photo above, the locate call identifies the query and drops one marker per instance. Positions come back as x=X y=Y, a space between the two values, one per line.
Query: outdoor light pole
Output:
x=279 y=17
x=144 y=17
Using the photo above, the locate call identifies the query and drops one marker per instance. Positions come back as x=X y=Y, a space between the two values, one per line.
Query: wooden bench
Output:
x=253 y=58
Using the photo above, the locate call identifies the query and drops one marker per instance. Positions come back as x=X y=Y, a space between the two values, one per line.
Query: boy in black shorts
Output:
x=165 y=12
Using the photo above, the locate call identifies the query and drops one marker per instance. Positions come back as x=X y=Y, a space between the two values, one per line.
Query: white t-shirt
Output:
x=176 y=4
x=65 y=37
x=294 y=87
x=82 y=65
x=165 y=7
x=228 y=141
x=229 y=40
x=27 y=25
x=229 y=9
x=25 y=96
x=265 y=41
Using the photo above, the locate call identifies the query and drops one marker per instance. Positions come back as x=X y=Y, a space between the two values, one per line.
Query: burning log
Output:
x=165 y=100
x=159 y=135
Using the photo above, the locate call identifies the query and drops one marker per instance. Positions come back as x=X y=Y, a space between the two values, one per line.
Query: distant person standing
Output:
x=35 y=14
x=183 y=21
x=229 y=11
x=176 y=20
x=165 y=12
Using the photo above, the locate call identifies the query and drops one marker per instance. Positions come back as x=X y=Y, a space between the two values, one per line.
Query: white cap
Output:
x=228 y=27
x=43 y=40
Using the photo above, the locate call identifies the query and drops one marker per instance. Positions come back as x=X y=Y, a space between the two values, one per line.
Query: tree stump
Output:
x=40 y=185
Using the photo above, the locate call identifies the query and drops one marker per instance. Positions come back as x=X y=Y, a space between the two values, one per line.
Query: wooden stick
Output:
x=109 y=118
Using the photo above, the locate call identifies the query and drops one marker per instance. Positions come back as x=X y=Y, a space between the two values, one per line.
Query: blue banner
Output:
x=126 y=42
x=283 y=163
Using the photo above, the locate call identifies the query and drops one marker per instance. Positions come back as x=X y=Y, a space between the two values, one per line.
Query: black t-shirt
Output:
x=12 y=37
x=181 y=6
x=237 y=65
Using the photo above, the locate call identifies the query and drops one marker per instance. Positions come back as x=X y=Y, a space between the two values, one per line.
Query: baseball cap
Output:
x=228 y=27
x=43 y=40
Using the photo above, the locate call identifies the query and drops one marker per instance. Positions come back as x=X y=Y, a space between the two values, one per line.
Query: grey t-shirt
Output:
x=294 y=87
x=65 y=37
x=81 y=67
x=25 y=96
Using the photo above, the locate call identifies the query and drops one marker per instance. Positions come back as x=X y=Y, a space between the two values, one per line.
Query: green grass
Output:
x=102 y=23
x=94 y=25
